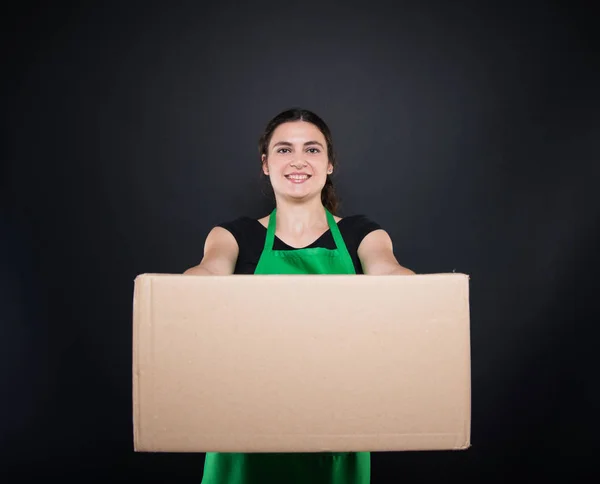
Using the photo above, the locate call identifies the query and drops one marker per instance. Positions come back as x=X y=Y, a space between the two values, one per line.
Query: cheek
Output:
x=324 y=164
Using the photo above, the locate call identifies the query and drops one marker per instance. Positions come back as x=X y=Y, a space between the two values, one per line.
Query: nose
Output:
x=298 y=164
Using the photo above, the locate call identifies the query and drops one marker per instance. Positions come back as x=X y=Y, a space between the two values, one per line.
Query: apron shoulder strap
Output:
x=339 y=243
x=335 y=231
x=270 y=237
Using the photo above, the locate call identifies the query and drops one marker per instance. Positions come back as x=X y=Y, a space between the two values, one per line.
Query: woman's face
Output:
x=297 y=161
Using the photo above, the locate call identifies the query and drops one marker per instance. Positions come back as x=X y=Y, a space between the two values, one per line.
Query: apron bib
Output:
x=294 y=468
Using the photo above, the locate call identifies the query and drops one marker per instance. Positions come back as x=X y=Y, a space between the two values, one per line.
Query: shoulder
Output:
x=247 y=231
x=354 y=229
x=240 y=223
x=358 y=224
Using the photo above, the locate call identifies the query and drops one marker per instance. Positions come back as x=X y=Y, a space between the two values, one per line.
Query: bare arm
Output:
x=377 y=257
x=220 y=254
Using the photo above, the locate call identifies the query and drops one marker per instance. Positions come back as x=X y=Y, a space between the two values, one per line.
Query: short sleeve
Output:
x=363 y=226
x=249 y=235
x=354 y=229
x=236 y=227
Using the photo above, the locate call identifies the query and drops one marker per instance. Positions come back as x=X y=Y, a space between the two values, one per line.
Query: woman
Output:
x=302 y=235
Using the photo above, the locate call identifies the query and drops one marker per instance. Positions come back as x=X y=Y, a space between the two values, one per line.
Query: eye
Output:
x=313 y=150
x=281 y=150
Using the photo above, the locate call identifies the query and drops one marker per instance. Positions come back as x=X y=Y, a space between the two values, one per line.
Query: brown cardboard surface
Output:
x=302 y=363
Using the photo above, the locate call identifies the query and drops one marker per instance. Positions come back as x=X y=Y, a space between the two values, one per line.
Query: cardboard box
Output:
x=301 y=363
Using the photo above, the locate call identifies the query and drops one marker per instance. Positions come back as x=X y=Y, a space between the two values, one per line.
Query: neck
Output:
x=296 y=218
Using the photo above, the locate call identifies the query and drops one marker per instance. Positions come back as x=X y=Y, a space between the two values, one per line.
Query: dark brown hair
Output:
x=328 y=195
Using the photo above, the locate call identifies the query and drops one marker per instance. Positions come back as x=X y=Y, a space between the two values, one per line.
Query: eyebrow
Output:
x=287 y=143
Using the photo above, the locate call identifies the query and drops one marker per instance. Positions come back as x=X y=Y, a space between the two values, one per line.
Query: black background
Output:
x=468 y=130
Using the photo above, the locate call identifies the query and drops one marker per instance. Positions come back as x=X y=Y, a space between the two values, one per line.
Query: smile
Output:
x=297 y=178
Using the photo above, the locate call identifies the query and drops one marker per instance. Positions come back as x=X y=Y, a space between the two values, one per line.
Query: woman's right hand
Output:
x=220 y=255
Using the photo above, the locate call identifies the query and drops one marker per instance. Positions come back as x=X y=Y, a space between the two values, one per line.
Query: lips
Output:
x=298 y=177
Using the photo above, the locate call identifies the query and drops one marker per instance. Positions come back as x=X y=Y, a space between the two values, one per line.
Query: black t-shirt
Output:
x=250 y=235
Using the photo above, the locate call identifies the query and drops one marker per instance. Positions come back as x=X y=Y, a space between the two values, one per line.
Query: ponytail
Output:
x=329 y=197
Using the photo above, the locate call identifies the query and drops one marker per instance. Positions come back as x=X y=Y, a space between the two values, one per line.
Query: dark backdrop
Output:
x=469 y=131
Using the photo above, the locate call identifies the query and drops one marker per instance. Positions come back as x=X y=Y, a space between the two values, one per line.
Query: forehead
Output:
x=297 y=132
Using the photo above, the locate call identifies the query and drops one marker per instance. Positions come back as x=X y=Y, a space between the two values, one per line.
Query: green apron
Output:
x=294 y=468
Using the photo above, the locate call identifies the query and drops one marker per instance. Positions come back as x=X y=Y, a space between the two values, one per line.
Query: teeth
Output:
x=298 y=177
